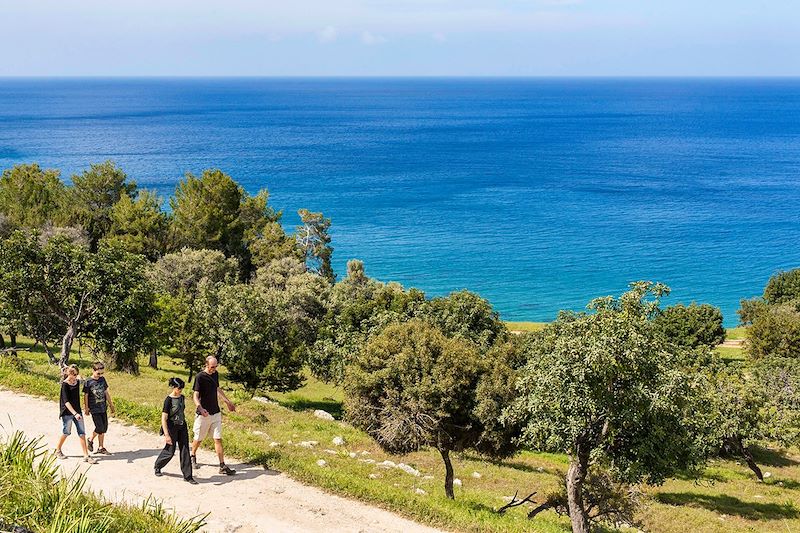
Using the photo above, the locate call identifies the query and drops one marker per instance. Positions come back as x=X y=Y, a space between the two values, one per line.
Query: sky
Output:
x=400 y=38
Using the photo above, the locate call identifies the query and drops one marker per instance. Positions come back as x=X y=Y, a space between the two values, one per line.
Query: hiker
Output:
x=97 y=401
x=70 y=413
x=173 y=427
x=209 y=418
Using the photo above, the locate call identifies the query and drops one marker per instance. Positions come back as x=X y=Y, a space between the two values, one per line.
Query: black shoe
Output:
x=158 y=473
x=224 y=469
x=191 y=481
x=90 y=445
x=194 y=462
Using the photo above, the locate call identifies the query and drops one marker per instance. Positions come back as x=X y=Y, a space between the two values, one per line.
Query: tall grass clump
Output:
x=33 y=495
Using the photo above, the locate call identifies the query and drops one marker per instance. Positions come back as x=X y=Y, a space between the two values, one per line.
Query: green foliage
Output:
x=783 y=287
x=30 y=196
x=774 y=332
x=693 y=325
x=122 y=309
x=59 y=288
x=465 y=315
x=205 y=213
x=265 y=328
x=606 y=387
x=93 y=195
x=358 y=308
x=188 y=282
x=314 y=243
x=34 y=495
x=413 y=387
x=138 y=225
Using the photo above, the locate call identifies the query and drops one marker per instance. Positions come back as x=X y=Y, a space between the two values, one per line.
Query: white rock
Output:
x=308 y=443
x=408 y=469
x=322 y=462
x=539 y=469
x=368 y=461
x=477 y=475
x=427 y=477
x=338 y=441
x=325 y=415
x=456 y=482
x=374 y=476
x=265 y=401
x=365 y=452
x=387 y=464
x=420 y=492
x=289 y=442
x=258 y=433
x=274 y=444
x=767 y=474
x=352 y=455
x=332 y=452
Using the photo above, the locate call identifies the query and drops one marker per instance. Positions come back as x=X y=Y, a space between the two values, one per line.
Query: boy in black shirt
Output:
x=173 y=427
x=97 y=401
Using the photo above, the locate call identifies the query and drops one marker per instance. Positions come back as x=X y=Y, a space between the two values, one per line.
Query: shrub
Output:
x=693 y=325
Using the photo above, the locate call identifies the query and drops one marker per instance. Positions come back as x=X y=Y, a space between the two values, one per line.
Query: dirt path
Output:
x=254 y=500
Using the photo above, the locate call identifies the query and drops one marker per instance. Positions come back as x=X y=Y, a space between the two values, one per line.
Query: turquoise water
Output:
x=538 y=194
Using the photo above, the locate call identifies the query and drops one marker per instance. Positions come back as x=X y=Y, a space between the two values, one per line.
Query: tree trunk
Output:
x=12 y=336
x=576 y=475
x=448 y=476
x=740 y=449
x=154 y=359
x=66 y=344
x=2 y=342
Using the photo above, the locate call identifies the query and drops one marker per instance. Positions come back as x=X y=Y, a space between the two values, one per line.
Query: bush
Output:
x=693 y=325
x=783 y=287
x=775 y=332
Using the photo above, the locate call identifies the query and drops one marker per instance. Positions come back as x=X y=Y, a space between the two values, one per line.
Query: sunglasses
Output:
x=212 y=366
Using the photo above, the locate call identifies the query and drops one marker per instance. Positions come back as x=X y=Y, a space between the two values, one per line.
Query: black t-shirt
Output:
x=207 y=385
x=175 y=409
x=71 y=394
x=96 y=388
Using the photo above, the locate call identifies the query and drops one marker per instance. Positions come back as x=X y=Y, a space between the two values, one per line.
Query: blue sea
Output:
x=539 y=194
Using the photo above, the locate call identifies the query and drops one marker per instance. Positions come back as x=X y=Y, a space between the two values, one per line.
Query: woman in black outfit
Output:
x=173 y=427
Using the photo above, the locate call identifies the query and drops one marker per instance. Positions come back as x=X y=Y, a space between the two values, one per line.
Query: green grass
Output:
x=727 y=499
x=731 y=353
x=736 y=334
x=33 y=495
x=525 y=327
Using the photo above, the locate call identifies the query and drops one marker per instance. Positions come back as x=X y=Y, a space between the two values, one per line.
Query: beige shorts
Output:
x=204 y=424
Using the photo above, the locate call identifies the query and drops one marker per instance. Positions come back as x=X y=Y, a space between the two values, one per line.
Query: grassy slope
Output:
x=525 y=326
x=727 y=499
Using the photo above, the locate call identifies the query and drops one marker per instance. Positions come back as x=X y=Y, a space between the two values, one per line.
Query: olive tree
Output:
x=607 y=388
x=411 y=387
x=59 y=287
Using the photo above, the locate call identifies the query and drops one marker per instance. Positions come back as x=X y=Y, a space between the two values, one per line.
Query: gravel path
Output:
x=254 y=500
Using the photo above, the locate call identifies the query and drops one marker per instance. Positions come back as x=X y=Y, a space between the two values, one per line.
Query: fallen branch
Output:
x=515 y=502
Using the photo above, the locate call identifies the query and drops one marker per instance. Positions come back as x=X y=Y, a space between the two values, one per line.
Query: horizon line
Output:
x=405 y=76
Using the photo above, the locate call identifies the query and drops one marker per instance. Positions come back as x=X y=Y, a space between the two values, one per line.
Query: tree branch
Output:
x=516 y=503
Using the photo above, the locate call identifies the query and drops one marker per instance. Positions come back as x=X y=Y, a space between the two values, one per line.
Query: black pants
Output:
x=180 y=438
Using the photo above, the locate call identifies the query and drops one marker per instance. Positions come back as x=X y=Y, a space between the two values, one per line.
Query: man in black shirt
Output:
x=209 y=418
